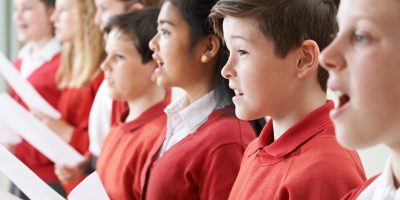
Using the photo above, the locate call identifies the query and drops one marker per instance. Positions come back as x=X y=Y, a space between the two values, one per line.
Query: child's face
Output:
x=65 y=20
x=127 y=77
x=177 y=63
x=107 y=8
x=364 y=67
x=262 y=81
x=28 y=29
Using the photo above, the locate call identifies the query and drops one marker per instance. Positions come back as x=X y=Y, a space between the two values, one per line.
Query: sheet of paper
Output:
x=90 y=188
x=8 y=196
x=36 y=133
x=24 y=178
x=25 y=90
x=7 y=135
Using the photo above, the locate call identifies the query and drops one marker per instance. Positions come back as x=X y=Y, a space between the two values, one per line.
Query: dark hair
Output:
x=140 y=26
x=49 y=3
x=195 y=13
x=287 y=23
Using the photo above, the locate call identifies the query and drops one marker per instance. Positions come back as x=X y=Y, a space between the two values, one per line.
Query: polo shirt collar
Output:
x=295 y=136
x=144 y=118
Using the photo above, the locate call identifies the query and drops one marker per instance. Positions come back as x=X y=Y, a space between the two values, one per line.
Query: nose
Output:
x=228 y=71
x=105 y=64
x=332 y=57
x=153 y=44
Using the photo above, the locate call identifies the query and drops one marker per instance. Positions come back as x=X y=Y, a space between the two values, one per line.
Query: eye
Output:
x=242 y=52
x=119 y=57
x=361 y=38
x=163 y=32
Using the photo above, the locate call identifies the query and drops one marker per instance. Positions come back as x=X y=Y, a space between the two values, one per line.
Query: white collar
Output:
x=49 y=50
x=202 y=108
x=383 y=187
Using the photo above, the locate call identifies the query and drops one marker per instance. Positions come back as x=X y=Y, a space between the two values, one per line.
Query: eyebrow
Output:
x=239 y=37
x=164 y=21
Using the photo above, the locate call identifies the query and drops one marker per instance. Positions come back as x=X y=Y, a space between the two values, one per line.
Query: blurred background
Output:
x=373 y=158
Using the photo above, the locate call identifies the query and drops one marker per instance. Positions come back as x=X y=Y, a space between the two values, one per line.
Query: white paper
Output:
x=24 y=178
x=25 y=90
x=37 y=134
x=8 y=136
x=90 y=188
x=7 y=196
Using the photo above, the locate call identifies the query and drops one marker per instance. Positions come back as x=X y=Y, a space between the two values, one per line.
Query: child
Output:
x=105 y=111
x=273 y=69
x=129 y=71
x=363 y=63
x=37 y=62
x=199 y=152
x=79 y=75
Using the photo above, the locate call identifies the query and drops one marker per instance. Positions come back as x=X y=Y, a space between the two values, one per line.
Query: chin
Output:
x=351 y=139
x=245 y=114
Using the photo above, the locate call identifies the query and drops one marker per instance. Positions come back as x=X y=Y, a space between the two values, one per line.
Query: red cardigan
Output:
x=125 y=150
x=306 y=162
x=353 y=195
x=74 y=106
x=44 y=81
x=203 y=165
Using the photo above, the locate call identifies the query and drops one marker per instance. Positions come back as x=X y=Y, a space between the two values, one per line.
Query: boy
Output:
x=363 y=63
x=273 y=69
x=129 y=71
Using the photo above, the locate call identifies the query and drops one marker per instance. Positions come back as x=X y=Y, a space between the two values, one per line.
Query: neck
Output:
x=297 y=109
x=38 y=44
x=143 y=103
x=199 y=87
x=396 y=167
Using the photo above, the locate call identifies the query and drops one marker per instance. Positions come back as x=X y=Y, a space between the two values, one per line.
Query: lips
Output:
x=159 y=61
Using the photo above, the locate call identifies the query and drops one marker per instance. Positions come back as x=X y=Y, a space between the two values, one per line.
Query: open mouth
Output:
x=343 y=100
x=238 y=93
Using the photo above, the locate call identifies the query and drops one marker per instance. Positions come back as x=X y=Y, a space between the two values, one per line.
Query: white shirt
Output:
x=32 y=62
x=382 y=188
x=183 y=118
x=99 y=118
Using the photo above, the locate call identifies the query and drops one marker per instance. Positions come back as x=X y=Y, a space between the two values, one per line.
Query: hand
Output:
x=59 y=126
x=10 y=147
x=67 y=174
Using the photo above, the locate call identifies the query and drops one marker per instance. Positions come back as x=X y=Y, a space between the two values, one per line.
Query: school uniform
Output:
x=74 y=106
x=306 y=162
x=199 y=153
x=40 y=71
x=125 y=150
x=379 y=187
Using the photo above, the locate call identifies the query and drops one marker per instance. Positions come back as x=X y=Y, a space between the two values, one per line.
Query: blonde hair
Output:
x=81 y=59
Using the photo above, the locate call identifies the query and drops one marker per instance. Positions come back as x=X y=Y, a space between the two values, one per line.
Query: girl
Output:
x=37 y=62
x=79 y=75
x=199 y=153
x=363 y=63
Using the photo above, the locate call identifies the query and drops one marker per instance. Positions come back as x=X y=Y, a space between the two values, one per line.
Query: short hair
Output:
x=49 y=3
x=287 y=23
x=140 y=26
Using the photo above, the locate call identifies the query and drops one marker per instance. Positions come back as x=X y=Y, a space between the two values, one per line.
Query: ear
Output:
x=134 y=6
x=308 y=61
x=211 y=48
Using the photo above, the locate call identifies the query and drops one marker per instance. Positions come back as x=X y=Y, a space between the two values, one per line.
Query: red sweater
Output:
x=44 y=81
x=203 y=165
x=74 y=106
x=125 y=150
x=306 y=162
x=353 y=195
